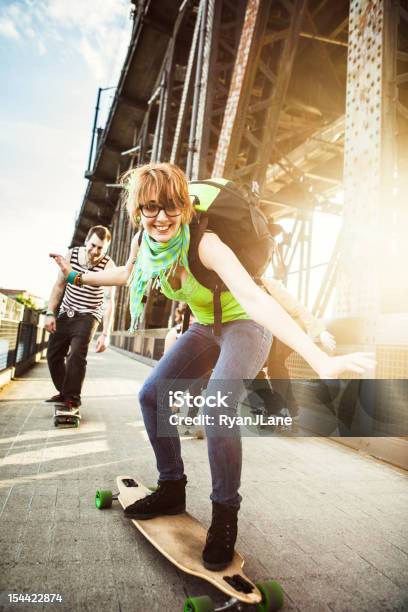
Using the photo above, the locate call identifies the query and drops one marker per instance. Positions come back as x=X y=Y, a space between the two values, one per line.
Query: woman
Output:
x=157 y=196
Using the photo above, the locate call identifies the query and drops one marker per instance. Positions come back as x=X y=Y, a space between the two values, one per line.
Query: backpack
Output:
x=232 y=212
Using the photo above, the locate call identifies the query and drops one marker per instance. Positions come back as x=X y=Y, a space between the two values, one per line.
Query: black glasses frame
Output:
x=159 y=208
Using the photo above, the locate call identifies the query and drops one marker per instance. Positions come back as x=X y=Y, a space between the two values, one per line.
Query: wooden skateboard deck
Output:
x=181 y=539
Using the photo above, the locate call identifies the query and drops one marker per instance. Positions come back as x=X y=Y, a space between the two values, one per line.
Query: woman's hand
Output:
x=327 y=340
x=265 y=310
x=333 y=367
x=63 y=264
x=134 y=246
x=134 y=249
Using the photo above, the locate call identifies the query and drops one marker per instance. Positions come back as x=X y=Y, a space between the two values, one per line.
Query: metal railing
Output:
x=147 y=343
x=23 y=338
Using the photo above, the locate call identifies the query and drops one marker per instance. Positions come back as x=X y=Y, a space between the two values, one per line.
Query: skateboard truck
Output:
x=205 y=604
x=232 y=603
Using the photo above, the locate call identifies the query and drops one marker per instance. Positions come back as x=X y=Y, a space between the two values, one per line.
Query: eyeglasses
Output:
x=152 y=209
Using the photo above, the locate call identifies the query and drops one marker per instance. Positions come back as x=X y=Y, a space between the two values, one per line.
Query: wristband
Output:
x=78 y=280
x=49 y=313
x=71 y=277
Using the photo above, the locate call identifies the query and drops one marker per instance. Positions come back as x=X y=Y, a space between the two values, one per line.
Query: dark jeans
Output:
x=237 y=354
x=73 y=335
x=278 y=372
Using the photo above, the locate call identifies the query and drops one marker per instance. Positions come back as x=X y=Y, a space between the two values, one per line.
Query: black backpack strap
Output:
x=217 y=311
x=206 y=277
x=209 y=279
x=139 y=239
x=197 y=229
x=186 y=319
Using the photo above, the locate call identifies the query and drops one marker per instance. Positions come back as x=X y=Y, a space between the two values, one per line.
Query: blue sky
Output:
x=55 y=54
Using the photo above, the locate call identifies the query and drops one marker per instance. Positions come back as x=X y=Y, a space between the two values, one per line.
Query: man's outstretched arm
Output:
x=55 y=299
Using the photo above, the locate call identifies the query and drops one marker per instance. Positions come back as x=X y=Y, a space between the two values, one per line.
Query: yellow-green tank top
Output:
x=200 y=300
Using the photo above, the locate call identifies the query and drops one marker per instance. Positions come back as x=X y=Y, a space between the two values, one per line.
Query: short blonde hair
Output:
x=165 y=181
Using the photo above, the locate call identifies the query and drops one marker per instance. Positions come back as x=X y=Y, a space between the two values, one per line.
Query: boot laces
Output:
x=153 y=497
x=161 y=490
x=221 y=531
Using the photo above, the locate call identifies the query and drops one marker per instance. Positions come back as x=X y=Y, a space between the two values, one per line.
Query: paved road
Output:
x=328 y=522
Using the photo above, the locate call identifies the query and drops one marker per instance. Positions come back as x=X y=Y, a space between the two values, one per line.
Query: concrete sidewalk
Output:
x=327 y=522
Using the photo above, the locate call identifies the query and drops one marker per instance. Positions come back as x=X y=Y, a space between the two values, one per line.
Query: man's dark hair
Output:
x=101 y=231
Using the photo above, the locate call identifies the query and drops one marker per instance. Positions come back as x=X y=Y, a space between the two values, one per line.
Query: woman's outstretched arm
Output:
x=265 y=310
x=107 y=278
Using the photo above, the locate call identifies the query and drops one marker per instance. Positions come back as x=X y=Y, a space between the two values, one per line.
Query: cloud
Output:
x=8 y=29
x=96 y=31
x=93 y=59
x=42 y=50
x=92 y=16
x=44 y=146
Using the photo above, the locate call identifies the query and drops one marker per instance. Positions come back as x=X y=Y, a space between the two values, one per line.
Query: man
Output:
x=73 y=316
x=276 y=363
x=315 y=328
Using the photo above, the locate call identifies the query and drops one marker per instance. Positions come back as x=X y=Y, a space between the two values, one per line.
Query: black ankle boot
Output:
x=222 y=534
x=169 y=498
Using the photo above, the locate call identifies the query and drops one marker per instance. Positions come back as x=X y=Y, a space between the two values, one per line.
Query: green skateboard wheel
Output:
x=199 y=604
x=272 y=596
x=103 y=499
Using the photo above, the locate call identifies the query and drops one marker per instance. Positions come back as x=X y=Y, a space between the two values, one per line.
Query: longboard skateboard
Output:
x=181 y=539
x=191 y=431
x=66 y=417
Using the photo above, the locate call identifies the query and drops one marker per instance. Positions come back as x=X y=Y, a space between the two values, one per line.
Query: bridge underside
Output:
x=310 y=99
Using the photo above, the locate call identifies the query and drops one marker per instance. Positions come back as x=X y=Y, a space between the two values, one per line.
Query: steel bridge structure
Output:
x=308 y=98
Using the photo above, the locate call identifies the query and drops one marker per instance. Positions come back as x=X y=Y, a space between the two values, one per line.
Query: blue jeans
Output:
x=238 y=353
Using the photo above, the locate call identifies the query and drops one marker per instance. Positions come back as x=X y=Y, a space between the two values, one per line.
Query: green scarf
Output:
x=156 y=260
